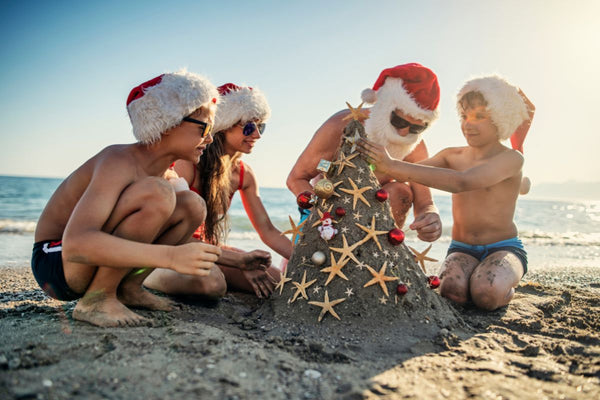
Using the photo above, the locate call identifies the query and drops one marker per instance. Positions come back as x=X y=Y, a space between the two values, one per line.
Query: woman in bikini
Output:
x=239 y=124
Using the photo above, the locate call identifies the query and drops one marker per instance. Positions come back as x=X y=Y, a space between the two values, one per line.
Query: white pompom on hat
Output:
x=239 y=103
x=161 y=103
x=504 y=103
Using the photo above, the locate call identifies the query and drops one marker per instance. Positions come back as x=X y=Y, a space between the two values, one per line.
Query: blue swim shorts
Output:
x=47 y=268
x=513 y=245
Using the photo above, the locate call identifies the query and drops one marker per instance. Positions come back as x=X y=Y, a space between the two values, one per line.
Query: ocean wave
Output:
x=13 y=226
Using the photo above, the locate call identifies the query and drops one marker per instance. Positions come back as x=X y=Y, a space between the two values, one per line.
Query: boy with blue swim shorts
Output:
x=486 y=259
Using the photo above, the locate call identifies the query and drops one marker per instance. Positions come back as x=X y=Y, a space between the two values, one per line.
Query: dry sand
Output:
x=545 y=344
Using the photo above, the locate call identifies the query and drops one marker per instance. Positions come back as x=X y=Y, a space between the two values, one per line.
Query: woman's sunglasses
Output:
x=207 y=128
x=401 y=123
x=250 y=126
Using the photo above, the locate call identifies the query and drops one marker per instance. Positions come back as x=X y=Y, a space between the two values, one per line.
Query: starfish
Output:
x=349 y=292
x=422 y=257
x=316 y=289
x=357 y=193
x=295 y=231
x=356 y=215
x=335 y=269
x=346 y=250
x=344 y=229
x=356 y=114
x=380 y=277
x=371 y=233
x=283 y=279
x=353 y=140
x=327 y=306
x=383 y=300
x=343 y=161
x=301 y=288
x=346 y=199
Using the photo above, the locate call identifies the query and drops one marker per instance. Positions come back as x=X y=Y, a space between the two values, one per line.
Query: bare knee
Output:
x=453 y=290
x=401 y=199
x=156 y=198
x=215 y=286
x=192 y=206
x=489 y=297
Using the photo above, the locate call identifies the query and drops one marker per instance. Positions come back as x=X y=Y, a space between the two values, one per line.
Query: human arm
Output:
x=322 y=146
x=482 y=175
x=259 y=218
x=85 y=240
x=427 y=222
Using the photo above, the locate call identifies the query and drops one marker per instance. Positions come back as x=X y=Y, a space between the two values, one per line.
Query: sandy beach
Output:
x=544 y=345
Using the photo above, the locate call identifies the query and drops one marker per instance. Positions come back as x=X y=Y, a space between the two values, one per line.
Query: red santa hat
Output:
x=161 y=103
x=239 y=103
x=326 y=215
x=410 y=88
x=504 y=103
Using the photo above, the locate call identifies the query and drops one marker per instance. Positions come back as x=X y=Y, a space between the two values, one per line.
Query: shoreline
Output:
x=545 y=344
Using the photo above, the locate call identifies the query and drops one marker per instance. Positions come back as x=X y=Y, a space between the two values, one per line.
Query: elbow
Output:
x=461 y=184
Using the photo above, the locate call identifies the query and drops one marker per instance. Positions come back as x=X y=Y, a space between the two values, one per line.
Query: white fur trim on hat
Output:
x=504 y=103
x=163 y=105
x=243 y=105
x=390 y=97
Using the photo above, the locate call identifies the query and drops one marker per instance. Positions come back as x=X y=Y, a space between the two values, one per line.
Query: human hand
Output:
x=428 y=226
x=194 y=258
x=375 y=154
x=262 y=283
x=255 y=260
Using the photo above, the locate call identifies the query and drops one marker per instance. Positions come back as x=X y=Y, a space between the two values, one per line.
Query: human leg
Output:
x=190 y=213
x=455 y=274
x=400 y=196
x=139 y=215
x=493 y=281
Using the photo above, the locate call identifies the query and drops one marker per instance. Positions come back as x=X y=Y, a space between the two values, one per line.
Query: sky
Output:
x=66 y=68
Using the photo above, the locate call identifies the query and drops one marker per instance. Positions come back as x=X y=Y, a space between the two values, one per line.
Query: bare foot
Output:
x=99 y=309
x=137 y=296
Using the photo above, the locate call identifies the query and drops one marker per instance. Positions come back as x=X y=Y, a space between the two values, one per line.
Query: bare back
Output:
x=53 y=220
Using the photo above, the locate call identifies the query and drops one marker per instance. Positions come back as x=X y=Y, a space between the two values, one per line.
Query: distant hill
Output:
x=567 y=190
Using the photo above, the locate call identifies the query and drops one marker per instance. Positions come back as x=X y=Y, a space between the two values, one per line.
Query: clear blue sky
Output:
x=67 y=68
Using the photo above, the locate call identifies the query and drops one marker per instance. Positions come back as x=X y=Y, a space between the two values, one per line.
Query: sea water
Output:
x=556 y=233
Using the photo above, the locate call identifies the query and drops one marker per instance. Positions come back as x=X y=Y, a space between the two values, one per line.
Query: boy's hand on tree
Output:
x=376 y=155
x=194 y=258
x=262 y=283
x=255 y=260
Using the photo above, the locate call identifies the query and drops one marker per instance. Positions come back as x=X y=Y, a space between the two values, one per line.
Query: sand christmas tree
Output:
x=350 y=265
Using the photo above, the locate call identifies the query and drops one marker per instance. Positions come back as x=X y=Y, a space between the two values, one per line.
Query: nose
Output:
x=403 y=132
x=208 y=139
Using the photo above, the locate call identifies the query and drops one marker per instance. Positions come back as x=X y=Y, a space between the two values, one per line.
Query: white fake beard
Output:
x=381 y=131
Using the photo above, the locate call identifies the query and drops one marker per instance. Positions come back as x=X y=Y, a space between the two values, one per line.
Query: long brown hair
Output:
x=214 y=171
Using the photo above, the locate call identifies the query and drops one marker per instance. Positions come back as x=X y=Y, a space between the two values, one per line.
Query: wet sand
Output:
x=545 y=344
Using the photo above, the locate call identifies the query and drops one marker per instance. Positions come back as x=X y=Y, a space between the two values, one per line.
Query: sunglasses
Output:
x=401 y=123
x=250 y=126
x=207 y=128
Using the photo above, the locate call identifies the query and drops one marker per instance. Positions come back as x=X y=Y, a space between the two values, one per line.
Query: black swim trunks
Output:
x=47 y=268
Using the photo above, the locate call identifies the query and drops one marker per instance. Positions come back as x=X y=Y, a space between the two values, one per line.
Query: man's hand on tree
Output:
x=428 y=226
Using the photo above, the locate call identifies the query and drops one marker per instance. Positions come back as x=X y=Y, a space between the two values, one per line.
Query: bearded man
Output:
x=405 y=101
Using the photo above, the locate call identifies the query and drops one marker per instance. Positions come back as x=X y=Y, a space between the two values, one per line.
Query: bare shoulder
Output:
x=249 y=176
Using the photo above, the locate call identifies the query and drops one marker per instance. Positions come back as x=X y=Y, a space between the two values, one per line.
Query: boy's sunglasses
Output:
x=401 y=123
x=207 y=127
x=250 y=126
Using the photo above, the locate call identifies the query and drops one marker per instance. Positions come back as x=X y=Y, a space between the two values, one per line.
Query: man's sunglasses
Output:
x=250 y=126
x=401 y=123
x=207 y=128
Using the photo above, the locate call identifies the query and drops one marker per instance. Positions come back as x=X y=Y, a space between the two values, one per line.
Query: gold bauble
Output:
x=324 y=188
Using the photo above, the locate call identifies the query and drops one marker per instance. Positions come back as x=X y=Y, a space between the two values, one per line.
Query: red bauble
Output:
x=434 y=281
x=303 y=200
x=340 y=212
x=381 y=195
x=401 y=289
x=396 y=236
